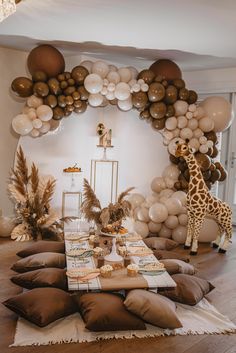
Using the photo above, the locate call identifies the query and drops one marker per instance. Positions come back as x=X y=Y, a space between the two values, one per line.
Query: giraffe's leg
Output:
x=198 y=225
x=228 y=235
x=215 y=243
x=190 y=231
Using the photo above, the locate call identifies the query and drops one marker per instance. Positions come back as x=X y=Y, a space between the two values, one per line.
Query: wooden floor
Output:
x=219 y=268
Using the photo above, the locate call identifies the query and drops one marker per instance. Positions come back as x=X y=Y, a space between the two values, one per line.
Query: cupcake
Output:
x=97 y=251
x=122 y=250
x=132 y=270
x=106 y=271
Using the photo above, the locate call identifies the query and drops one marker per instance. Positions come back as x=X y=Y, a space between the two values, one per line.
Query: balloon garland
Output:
x=158 y=93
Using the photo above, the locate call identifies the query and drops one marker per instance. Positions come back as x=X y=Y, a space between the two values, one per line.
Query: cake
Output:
x=132 y=270
x=73 y=169
x=106 y=271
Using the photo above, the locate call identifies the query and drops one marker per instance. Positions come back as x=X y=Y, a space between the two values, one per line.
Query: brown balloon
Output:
x=171 y=94
x=210 y=151
x=158 y=78
x=58 y=113
x=76 y=95
x=61 y=77
x=83 y=93
x=170 y=111
x=156 y=92
x=69 y=100
x=78 y=103
x=166 y=68
x=61 y=101
x=82 y=109
x=41 y=89
x=158 y=110
x=173 y=159
x=113 y=101
x=144 y=114
x=223 y=175
x=179 y=83
x=54 y=86
x=22 y=86
x=215 y=152
x=71 y=82
x=69 y=90
x=212 y=167
x=39 y=76
x=147 y=75
x=50 y=100
x=69 y=108
x=182 y=165
x=158 y=124
x=183 y=94
x=67 y=75
x=139 y=99
x=215 y=175
x=54 y=124
x=203 y=160
x=46 y=58
x=193 y=97
x=211 y=135
x=186 y=174
x=64 y=84
x=207 y=174
x=178 y=185
x=79 y=74
x=67 y=113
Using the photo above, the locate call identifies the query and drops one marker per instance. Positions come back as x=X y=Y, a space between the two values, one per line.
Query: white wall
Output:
x=12 y=64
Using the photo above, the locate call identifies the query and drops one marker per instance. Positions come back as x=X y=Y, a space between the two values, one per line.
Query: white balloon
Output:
x=45 y=127
x=171 y=222
x=136 y=200
x=37 y=123
x=173 y=206
x=165 y=232
x=181 y=196
x=181 y=108
x=189 y=115
x=203 y=140
x=179 y=234
x=176 y=132
x=182 y=121
x=158 y=184
x=135 y=213
x=44 y=112
x=140 y=81
x=112 y=68
x=93 y=83
x=87 y=64
x=168 y=135
x=198 y=133
x=173 y=145
x=154 y=227
x=209 y=143
x=194 y=143
x=113 y=77
x=125 y=74
x=150 y=200
x=110 y=96
x=100 y=68
x=199 y=113
x=35 y=133
x=158 y=212
x=126 y=104
x=144 y=87
x=186 y=133
x=32 y=114
x=95 y=99
x=171 y=171
x=111 y=87
x=203 y=148
x=141 y=228
x=136 y=87
x=105 y=82
x=134 y=72
x=132 y=82
x=104 y=91
x=22 y=124
x=34 y=102
x=193 y=124
x=169 y=182
x=143 y=215
x=171 y=123
x=192 y=108
x=122 y=91
x=166 y=193
x=206 y=124
x=183 y=219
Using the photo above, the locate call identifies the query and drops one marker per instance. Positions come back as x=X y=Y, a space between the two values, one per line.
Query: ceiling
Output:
x=195 y=34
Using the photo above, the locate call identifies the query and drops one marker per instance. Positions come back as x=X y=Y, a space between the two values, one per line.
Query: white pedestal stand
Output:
x=113 y=256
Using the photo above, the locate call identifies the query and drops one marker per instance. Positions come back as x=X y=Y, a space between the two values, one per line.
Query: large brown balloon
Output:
x=139 y=99
x=22 y=86
x=51 y=100
x=79 y=74
x=41 y=89
x=58 y=113
x=156 y=92
x=166 y=68
x=171 y=94
x=158 y=110
x=83 y=93
x=203 y=160
x=46 y=58
x=82 y=108
x=54 y=86
x=158 y=124
x=147 y=75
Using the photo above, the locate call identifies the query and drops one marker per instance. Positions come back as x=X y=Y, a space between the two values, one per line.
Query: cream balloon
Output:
x=135 y=212
x=193 y=124
x=199 y=113
x=209 y=231
x=172 y=172
x=22 y=124
x=154 y=227
x=111 y=87
x=32 y=115
x=34 y=102
x=181 y=108
x=158 y=184
x=44 y=112
x=37 y=123
x=194 y=143
x=136 y=200
x=133 y=71
x=173 y=206
x=125 y=74
x=166 y=193
x=171 y=123
x=192 y=108
x=186 y=133
x=113 y=77
x=198 y=133
x=171 y=222
x=203 y=148
x=183 y=219
x=144 y=87
x=95 y=99
x=150 y=200
x=169 y=182
x=35 y=133
x=165 y=232
x=141 y=228
x=7 y=224
x=181 y=196
x=182 y=121
x=100 y=68
x=143 y=215
x=112 y=68
x=219 y=110
x=158 y=212
x=93 y=83
x=87 y=64
x=179 y=234
x=122 y=91
x=110 y=96
x=206 y=124
x=126 y=104
x=45 y=127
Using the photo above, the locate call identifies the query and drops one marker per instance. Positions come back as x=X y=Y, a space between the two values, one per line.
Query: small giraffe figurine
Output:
x=201 y=203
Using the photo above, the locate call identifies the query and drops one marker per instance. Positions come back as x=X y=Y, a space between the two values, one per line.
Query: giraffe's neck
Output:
x=194 y=169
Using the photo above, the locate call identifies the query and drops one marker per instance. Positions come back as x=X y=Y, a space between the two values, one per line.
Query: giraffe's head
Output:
x=183 y=150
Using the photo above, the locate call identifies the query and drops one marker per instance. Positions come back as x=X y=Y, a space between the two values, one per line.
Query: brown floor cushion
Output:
x=45 y=277
x=159 y=243
x=174 y=266
x=42 y=306
x=190 y=289
x=164 y=254
x=106 y=312
x=37 y=261
x=151 y=308
x=43 y=246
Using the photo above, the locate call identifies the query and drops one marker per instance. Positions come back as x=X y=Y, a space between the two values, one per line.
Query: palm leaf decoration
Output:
x=91 y=206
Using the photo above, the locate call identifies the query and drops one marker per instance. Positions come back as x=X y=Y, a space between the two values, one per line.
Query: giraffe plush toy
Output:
x=201 y=203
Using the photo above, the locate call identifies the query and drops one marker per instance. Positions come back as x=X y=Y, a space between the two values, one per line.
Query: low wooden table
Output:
x=119 y=279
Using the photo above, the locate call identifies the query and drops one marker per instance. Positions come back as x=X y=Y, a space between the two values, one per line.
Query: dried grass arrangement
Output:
x=31 y=195
x=113 y=214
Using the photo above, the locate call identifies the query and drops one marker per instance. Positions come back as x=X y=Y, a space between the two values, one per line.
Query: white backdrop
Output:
x=137 y=147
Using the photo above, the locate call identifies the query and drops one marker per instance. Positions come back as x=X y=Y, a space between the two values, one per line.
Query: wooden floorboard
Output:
x=218 y=268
